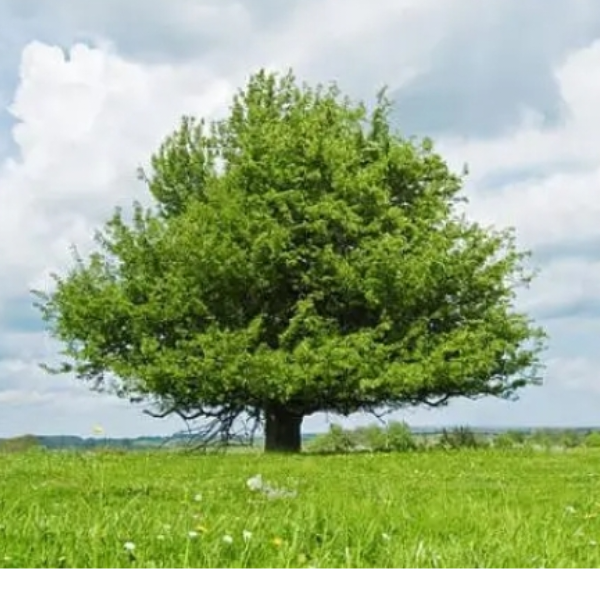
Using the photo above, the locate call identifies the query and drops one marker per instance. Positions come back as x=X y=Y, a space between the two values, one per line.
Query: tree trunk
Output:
x=283 y=430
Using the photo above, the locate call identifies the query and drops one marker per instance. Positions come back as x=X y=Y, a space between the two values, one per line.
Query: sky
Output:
x=509 y=87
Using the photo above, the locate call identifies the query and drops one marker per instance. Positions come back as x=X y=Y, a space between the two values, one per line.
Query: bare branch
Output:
x=442 y=401
x=380 y=414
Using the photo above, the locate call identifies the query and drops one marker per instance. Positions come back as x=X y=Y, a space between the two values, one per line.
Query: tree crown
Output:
x=300 y=254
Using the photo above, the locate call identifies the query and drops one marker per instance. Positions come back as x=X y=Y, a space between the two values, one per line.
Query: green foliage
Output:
x=504 y=440
x=336 y=441
x=518 y=437
x=395 y=437
x=570 y=439
x=542 y=438
x=513 y=438
x=300 y=256
x=399 y=437
x=372 y=438
x=592 y=439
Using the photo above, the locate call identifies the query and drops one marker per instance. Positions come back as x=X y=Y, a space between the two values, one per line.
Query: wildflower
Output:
x=198 y=498
x=227 y=539
x=129 y=547
x=192 y=534
x=247 y=535
x=255 y=483
x=386 y=537
x=570 y=510
x=97 y=430
x=277 y=542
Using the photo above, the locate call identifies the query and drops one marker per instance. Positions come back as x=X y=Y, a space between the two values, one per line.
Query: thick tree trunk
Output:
x=283 y=430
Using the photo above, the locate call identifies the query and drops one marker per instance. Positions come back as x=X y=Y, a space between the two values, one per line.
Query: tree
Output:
x=299 y=257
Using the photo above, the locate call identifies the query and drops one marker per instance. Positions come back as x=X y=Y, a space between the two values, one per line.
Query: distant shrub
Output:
x=570 y=439
x=399 y=437
x=541 y=438
x=517 y=437
x=504 y=440
x=372 y=438
x=461 y=437
x=22 y=443
x=592 y=440
x=336 y=440
x=395 y=437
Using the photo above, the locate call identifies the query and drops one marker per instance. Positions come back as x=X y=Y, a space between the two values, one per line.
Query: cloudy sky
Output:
x=510 y=87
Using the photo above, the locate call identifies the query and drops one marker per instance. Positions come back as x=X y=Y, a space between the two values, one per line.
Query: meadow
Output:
x=464 y=508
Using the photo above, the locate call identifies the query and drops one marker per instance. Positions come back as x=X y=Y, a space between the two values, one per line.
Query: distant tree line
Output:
x=398 y=437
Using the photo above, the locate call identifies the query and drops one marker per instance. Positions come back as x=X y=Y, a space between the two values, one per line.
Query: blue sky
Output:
x=510 y=87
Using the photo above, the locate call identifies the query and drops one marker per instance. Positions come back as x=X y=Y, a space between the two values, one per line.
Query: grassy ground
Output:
x=430 y=509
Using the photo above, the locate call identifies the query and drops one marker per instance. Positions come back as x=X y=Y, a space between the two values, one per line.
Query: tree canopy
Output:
x=299 y=256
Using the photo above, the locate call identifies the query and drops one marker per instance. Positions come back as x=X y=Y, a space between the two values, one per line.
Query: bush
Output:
x=336 y=440
x=570 y=439
x=592 y=440
x=372 y=438
x=518 y=438
x=504 y=440
x=400 y=437
x=542 y=438
x=461 y=437
x=395 y=437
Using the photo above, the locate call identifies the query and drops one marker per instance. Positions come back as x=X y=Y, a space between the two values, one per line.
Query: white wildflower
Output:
x=198 y=498
x=129 y=547
x=247 y=535
x=192 y=534
x=227 y=539
x=386 y=537
x=255 y=483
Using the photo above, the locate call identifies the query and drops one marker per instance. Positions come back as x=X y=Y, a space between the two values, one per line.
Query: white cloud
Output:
x=559 y=202
x=575 y=374
x=568 y=282
x=549 y=188
x=86 y=122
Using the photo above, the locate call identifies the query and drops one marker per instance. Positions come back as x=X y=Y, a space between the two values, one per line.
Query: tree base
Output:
x=283 y=430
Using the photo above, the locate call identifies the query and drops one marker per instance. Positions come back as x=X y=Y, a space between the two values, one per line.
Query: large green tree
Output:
x=300 y=256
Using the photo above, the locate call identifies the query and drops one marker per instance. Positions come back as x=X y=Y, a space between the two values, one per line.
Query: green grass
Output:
x=429 y=509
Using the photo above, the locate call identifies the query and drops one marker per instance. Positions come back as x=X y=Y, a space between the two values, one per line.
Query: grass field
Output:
x=481 y=508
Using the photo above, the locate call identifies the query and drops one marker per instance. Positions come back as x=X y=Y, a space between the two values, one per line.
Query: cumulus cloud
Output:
x=545 y=182
x=496 y=61
x=86 y=120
